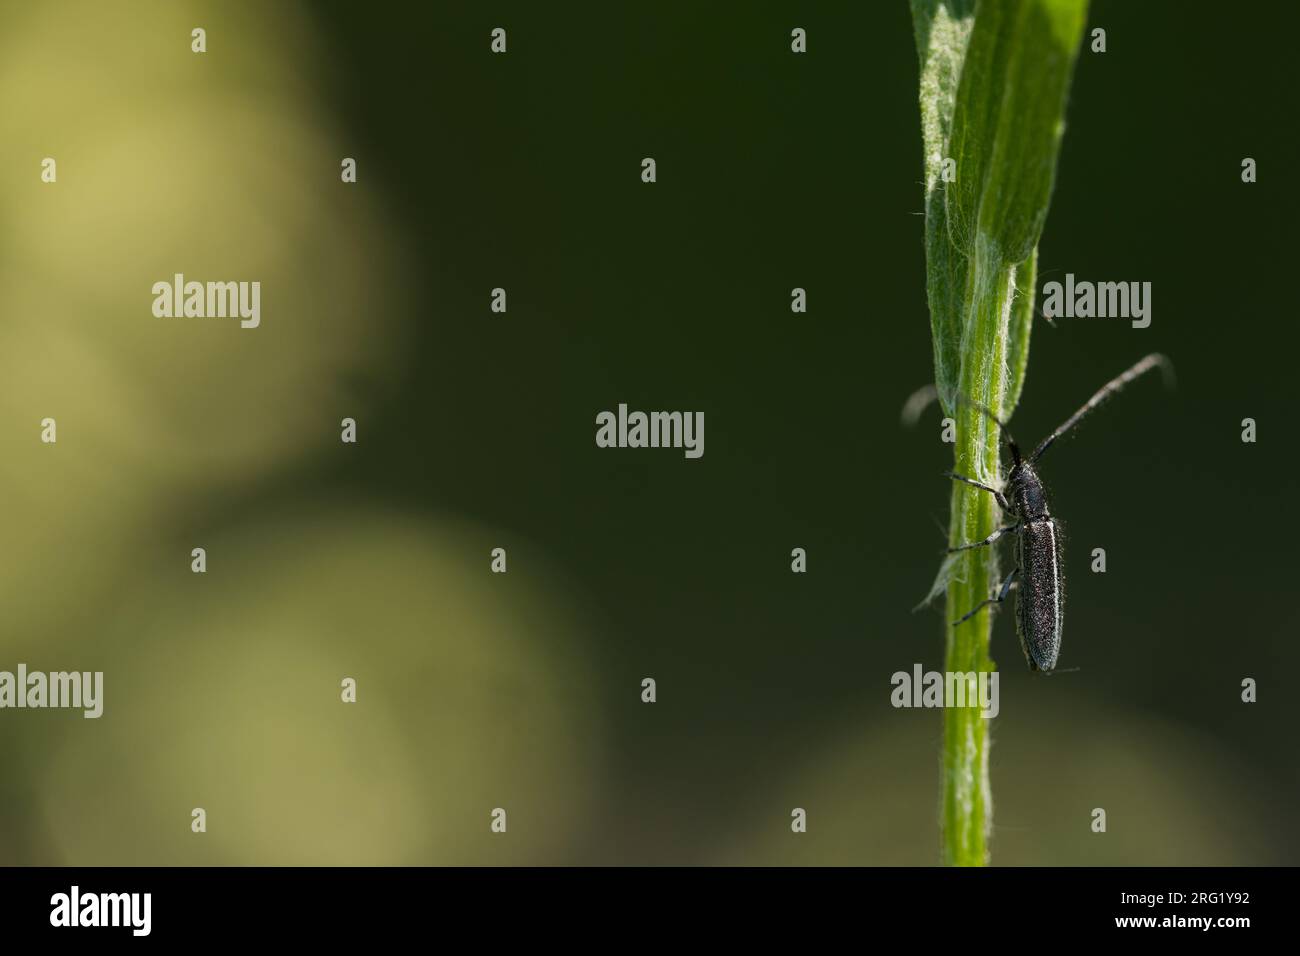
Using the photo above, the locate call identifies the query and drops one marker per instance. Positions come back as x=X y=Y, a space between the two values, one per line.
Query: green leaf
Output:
x=1007 y=121
x=942 y=31
x=994 y=82
x=995 y=77
x=1018 y=329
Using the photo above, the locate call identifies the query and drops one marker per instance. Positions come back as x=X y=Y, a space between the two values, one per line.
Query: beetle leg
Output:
x=989 y=540
x=1001 y=498
x=1007 y=585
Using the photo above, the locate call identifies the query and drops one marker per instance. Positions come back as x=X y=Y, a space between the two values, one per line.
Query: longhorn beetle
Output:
x=1040 y=598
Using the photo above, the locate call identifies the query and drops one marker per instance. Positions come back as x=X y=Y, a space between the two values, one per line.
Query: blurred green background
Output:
x=476 y=431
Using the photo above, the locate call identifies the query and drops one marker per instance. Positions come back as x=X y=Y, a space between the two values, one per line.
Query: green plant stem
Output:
x=994 y=79
x=967 y=798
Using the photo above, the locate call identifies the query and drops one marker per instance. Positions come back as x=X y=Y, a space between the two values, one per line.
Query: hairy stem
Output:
x=994 y=79
x=967 y=799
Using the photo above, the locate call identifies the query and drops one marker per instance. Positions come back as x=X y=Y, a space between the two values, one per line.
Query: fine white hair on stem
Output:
x=947 y=573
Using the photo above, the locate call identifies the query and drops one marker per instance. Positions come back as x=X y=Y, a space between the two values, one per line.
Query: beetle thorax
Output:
x=1025 y=490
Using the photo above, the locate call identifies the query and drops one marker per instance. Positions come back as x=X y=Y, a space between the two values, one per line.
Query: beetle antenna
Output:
x=1153 y=360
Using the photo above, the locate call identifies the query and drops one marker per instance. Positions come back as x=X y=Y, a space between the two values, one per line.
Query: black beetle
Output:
x=1040 y=600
